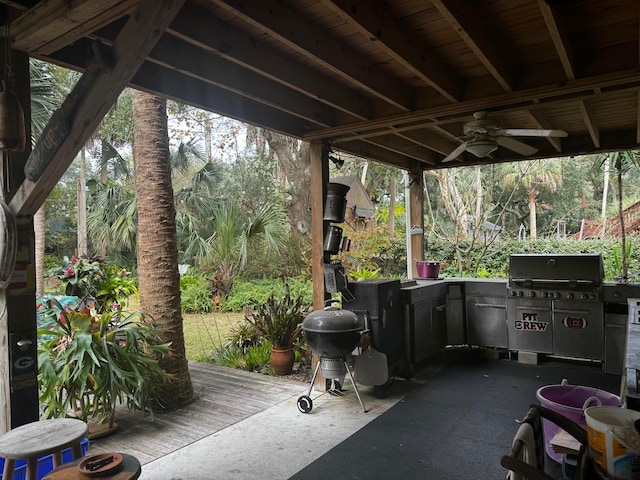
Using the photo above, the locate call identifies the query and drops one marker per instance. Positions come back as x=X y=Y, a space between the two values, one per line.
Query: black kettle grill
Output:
x=332 y=334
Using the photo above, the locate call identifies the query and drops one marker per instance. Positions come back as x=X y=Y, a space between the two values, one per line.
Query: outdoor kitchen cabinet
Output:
x=486 y=313
x=425 y=319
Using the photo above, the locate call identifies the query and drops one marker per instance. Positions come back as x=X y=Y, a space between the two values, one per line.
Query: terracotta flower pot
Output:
x=282 y=360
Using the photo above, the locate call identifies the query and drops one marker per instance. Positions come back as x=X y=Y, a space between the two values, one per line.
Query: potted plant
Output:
x=90 y=362
x=279 y=321
x=92 y=355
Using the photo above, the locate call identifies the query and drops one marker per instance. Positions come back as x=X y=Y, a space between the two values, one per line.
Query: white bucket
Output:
x=610 y=457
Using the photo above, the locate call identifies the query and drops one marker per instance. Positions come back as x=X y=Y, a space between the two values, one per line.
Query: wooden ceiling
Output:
x=392 y=80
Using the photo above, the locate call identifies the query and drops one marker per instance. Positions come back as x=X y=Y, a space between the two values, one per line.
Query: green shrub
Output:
x=195 y=293
x=254 y=359
x=253 y=292
x=494 y=262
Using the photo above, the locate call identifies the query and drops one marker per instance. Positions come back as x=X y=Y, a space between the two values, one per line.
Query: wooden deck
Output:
x=224 y=396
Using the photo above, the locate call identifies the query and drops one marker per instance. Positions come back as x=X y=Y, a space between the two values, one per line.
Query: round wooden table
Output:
x=129 y=469
x=37 y=439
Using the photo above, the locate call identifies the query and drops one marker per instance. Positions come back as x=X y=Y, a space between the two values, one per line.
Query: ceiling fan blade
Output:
x=533 y=132
x=517 y=146
x=456 y=152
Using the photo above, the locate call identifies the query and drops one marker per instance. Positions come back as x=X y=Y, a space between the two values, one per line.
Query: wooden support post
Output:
x=416 y=212
x=319 y=180
x=18 y=339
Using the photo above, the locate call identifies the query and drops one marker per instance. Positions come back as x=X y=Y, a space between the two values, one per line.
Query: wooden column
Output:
x=416 y=212
x=319 y=180
x=18 y=340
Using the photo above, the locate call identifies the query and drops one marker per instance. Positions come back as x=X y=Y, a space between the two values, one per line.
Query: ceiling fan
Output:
x=484 y=135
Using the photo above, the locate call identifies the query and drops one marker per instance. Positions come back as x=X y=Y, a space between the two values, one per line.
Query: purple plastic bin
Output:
x=570 y=401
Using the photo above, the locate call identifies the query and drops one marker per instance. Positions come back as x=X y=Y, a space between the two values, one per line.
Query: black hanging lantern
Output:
x=12 y=127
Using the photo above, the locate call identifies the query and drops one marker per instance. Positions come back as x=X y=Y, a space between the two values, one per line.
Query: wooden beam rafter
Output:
x=141 y=32
x=548 y=95
x=594 y=133
x=469 y=27
x=559 y=37
x=191 y=25
x=175 y=55
x=372 y=23
x=50 y=25
x=297 y=33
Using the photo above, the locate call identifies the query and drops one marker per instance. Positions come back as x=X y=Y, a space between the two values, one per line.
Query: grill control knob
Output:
x=532 y=293
x=545 y=294
x=520 y=293
x=570 y=295
x=584 y=296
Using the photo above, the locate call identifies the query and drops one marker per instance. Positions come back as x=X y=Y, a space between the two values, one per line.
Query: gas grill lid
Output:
x=584 y=270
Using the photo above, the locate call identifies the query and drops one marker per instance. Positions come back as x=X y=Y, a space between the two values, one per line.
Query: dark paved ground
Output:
x=457 y=424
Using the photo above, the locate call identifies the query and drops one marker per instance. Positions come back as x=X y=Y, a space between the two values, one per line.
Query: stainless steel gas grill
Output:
x=554 y=305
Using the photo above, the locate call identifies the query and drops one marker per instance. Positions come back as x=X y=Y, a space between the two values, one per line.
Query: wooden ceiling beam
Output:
x=51 y=25
x=523 y=99
x=297 y=33
x=131 y=47
x=209 y=68
x=594 y=133
x=159 y=80
x=470 y=28
x=374 y=152
x=375 y=25
x=192 y=26
x=559 y=38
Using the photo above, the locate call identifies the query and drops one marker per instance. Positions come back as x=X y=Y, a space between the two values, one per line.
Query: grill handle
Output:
x=579 y=312
x=489 y=305
x=555 y=281
x=534 y=308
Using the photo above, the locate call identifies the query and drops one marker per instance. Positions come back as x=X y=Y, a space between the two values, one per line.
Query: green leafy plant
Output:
x=95 y=278
x=89 y=362
x=279 y=319
x=363 y=273
x=117 y=287
x=82 y=275
x=195 y=294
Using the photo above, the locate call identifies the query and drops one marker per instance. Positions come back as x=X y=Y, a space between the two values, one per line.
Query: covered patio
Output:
x=453 y=420
x=395 y=82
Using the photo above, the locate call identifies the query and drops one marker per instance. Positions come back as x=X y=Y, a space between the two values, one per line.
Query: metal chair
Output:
x=533 y=468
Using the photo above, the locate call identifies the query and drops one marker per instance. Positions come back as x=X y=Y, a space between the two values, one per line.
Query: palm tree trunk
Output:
x=533 y=218
x=623 y=234
x=39 y=227
x=159 y=280
x=82 y=205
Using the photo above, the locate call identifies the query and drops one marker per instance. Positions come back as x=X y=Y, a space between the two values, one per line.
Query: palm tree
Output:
x=159 y=280
x=235 y=231
x=46 y=96
x=533 y=176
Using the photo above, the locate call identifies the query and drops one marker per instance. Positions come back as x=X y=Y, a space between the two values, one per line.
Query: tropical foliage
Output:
x=89 y=362
x=93 y=278
x=279 y=319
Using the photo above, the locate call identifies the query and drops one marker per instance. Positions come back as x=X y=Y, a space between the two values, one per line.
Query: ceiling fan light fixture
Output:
x=481 y=148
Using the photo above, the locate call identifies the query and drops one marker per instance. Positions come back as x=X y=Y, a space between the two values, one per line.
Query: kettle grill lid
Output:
x=332 y=320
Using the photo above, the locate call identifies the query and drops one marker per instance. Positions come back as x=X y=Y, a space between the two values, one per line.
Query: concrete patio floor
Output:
x=277 y=442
